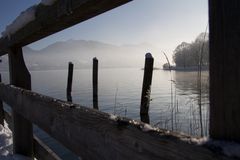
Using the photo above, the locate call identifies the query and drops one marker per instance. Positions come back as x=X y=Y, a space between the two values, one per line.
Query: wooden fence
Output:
x=40 y=150
x=92 y=134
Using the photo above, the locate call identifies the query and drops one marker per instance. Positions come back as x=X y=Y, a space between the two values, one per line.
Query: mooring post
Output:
x=224 y=24
x=22 y=128
x=95 y=83
x=69 y=82
x=146 y=88
x=1 y=108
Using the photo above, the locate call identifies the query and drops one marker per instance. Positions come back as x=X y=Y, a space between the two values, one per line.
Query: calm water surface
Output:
x=174 y=96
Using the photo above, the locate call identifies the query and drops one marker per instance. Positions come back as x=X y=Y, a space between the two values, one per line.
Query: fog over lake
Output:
x=174 y=96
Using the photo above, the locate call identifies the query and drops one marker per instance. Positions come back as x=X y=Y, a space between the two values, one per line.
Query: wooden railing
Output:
x=40 y=150
x=92 y=134
x=54 y=18
x=60 y=15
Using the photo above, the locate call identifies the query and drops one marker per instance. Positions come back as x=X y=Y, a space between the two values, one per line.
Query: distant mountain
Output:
x=81 y=52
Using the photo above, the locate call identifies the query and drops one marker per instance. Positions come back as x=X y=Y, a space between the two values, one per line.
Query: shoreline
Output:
x=193 y=68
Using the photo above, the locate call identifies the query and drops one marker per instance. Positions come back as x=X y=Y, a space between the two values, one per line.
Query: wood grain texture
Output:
x=92 y=134
x=61 y=15
x=41 y=150
x=22 y=128
x=224 y=22
x=69 y=82
x=146 y=89
x=95 y=83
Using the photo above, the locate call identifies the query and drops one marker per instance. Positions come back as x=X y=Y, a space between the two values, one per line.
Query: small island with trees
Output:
x=191 y=56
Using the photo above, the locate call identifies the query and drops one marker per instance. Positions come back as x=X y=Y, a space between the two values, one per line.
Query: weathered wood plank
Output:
x=41 y=151
x=146 y=88
x=22 y=128
x=224 y=22
x=95 y=135
x=69 y=82
x=95 y=83
x=59 y=16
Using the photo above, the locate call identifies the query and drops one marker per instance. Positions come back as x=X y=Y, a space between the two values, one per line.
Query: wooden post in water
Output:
x=22 y=128
x=69 y=81
x=1 y=109
x=146 y=88
x=95 y=83
x=224 y=27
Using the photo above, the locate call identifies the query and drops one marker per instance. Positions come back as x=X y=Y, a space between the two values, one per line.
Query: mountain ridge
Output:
x=81 y=52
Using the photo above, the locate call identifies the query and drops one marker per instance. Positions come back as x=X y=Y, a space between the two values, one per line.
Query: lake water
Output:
x=174 y=95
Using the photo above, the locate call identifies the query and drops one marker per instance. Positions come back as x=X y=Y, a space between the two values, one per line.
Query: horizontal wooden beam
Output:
x=92 y=134
x=54 y=18
x=41 y=150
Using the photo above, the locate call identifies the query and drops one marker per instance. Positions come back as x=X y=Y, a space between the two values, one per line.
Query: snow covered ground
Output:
x=6 y=145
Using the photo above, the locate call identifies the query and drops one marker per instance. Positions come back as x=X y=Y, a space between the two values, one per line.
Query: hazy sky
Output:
x=162 y=23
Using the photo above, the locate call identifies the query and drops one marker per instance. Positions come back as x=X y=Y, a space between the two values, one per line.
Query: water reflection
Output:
x=120 y=92
x=184 y=108
x=187 y=82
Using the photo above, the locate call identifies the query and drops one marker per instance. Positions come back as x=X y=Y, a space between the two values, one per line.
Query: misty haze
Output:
x=115 y=79
x=81 y=52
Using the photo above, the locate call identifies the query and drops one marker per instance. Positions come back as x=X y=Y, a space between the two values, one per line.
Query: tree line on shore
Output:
x=190 y=55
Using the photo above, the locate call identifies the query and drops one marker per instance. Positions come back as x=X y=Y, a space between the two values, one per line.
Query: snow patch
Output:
x=134 y=122
x=147 y=128
x=48 y=2
x=24 y=18
x=230 y=149
x=198 y=141
x=6 y=145
x=5 y=141
x=113 y=117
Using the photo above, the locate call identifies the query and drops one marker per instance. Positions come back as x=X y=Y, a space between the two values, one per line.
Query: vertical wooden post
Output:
x=22 y=128
x=95 y=83
x=69 y=82
x=1 y=109
x=146 y=88
x=224 y=21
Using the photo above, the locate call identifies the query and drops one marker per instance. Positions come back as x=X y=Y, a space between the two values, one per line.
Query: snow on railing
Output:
x=24 y=18
x=229 y=149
